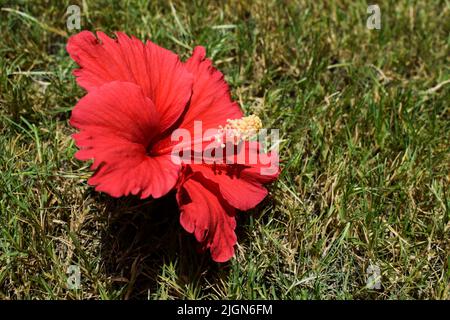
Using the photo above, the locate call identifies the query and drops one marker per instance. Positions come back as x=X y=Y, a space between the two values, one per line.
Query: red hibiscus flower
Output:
x=137 y=95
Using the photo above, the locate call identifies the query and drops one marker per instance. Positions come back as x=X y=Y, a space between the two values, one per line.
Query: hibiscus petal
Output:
x=211 y=101
x=147 y=176
x=117 y=122
x=259 y=166
x=241 y=193
x=158 y=71
x=208 y=217
x=240 y=181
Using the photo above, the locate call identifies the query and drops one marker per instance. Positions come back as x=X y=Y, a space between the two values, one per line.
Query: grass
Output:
x=365 y=124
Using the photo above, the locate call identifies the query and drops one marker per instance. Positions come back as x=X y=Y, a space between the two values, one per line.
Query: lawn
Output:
x=364 y=120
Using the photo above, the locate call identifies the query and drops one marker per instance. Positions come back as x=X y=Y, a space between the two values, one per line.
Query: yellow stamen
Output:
x=239 y=130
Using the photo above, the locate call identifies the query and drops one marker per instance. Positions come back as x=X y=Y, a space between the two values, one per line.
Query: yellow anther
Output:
x=241 y=129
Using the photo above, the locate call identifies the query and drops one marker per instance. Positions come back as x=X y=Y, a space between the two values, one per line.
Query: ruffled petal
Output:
x=117 y=123
x=241 y=179
x=241 y=193
x=259 y=166
x=143 y=175
x=208 y=217
x=210 y=101
x=159 y=72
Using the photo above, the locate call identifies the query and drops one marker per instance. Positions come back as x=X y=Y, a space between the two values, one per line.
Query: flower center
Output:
x=235 y=131
x=238 y=130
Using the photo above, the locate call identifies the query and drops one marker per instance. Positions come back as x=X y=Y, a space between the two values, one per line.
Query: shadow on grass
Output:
x=142 y=238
